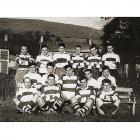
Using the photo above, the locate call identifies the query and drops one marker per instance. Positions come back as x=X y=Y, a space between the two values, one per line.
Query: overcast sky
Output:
x=94 y=22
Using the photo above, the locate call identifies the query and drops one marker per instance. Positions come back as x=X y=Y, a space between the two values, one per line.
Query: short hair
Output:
x=88 y=70
x=24 y=46
x=82 y=78
x=77 y=46
x=51 y=75
x=106 y=81
x=50 y=64
x=61 y=44
x=93 y=46
x=32 y=64
x=68 y=66
x=44 y=46
x=26 y=78
x=105 y=68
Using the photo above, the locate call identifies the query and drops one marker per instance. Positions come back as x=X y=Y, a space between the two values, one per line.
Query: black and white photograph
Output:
x=70 y=69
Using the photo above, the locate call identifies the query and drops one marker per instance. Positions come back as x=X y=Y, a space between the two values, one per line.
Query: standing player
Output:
x=69 y=84
x=22 y=62
x=61 y=59
x=78 y=61
x=43 y=59
x=93 y=62
x=108 y=100
x=26 y=97
x=51 y=96
x=111 y=60
x=90 y=81
x=85 y=98
x=106 y=75
x=50 y=69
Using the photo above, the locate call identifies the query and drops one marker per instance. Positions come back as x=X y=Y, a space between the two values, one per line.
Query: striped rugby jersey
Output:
x=82 y=95
x=26 y=94
x=52 y=93
x=93 y=61
x=108 y=96
x=110 y=60
x=42 y=61
x=35 y=78
x=69 y=84
x=60 y=60
x=23 y=61
x=45 y=77
x=77 y=60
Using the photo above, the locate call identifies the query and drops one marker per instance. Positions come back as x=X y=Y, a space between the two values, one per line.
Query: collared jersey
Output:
x=69 y=84
x=93 y=61
x=61 y=60
x=52 y=93
x=42 y=61
x=92 y=83
x=110 y=60
x=23 y=61
x=77 y=60
x=82 y=95
x=26 y=94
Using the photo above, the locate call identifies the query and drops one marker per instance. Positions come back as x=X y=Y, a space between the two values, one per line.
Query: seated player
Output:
x=34 y=76
x=90 y=81
x=77 y=61
x=106 y=75
x=107 y=100
x=68 y=83
x=93 y=62
x=26 y=97
x=85 y=98
x=50 y=69
x=23 y=61
x=43 y=59
x=61 y=59
x=51 y=100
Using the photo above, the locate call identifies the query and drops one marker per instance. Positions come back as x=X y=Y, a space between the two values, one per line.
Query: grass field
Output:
x=8 y=112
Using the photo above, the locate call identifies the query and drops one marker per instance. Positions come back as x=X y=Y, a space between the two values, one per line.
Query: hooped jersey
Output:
x=82 y=95
x=93 y=61
x=77 y=61
x=23 y=60
x=60 y=60
x=51 y=93
x=26 y=94
x=42 y=61
x=110 y=60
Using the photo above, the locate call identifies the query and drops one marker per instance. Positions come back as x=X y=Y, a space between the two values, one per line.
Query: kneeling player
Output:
x=108 y=100
x=50 y=98
x=26 y=97
x=85 y=97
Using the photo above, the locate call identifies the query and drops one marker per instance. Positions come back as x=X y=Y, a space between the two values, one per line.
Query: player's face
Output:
x=78 y=50
x=44 y=51
x=51 y=81
x=93 y=51
x=27 y=83
x=106 y=73
x=24 y=50
x=83 y=83
x=88 y=75
x=33 y=69
x=106 y=87
x=69 y=71
x=50 y=69
x=61 y=49
x=110 y=49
